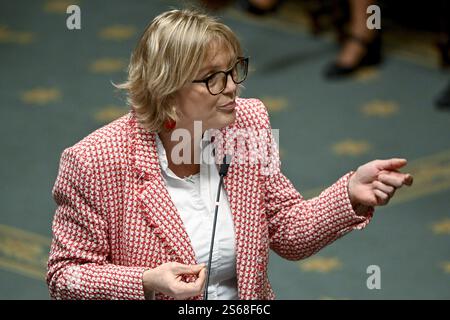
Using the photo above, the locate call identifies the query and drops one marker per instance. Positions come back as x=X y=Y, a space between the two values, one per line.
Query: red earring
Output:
x=170 y=124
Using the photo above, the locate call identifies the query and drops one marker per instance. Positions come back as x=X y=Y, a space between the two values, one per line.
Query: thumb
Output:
x=391 y=164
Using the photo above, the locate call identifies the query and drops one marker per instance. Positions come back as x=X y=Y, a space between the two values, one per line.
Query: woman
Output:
x=134 y=213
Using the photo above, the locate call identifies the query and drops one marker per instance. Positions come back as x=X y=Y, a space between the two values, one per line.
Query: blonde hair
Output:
x=168 y=56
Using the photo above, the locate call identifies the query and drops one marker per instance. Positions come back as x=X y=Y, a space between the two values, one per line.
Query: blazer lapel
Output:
x=241 y=188
x=155 y=202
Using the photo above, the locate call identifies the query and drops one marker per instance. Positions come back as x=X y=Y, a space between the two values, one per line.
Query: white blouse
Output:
x=195 y=197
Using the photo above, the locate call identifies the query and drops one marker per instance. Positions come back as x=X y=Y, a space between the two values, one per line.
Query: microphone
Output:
x=223 y=170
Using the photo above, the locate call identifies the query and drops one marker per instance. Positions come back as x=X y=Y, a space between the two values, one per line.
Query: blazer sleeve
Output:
x=299 y=228
x=78 y=266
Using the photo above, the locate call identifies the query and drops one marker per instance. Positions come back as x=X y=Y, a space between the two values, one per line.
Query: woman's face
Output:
x=196 y=103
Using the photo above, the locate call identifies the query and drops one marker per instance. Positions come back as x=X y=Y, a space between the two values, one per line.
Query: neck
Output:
x=182 y=150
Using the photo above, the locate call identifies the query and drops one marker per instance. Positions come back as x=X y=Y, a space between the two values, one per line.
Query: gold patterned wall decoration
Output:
x=108 y=65
x=351 y=147
x=412 y=46
x=110 y=113
x=275 y=104
x=8 y=35
x=320 y=264
x=117 y=32
x=366 y=74
x=441 y=227
x=58 y=6
x=41 y=95
x=380 y=108
x=446 y=266
x=23 y=252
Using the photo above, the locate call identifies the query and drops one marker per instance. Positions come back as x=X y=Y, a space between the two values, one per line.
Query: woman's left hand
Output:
x=374 y=183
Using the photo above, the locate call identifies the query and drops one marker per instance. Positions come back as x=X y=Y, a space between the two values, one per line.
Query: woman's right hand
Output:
x=167 y=279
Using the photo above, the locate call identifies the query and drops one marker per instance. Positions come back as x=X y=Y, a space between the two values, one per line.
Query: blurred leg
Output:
x=443 y=100
x=362 y=46
x=263 y=4
x=358 y=18
x=353 y=51
x=444 y=34
x=260 y=7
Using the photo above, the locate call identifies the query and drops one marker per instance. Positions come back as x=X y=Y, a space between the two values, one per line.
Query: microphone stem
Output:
x=205 y=296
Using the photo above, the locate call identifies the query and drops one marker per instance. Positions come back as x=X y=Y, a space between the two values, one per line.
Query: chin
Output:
x=221 y=120
x=227 y=119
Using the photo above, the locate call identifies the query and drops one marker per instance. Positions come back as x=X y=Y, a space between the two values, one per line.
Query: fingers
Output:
x=409 y=180
x=179 y=268
x=201 y=280
x=390 y=175
x=383 y=197
x=391 y=164
x=387 y=189
x=395 y=179
x=387 y=183
x=377 y=181
x=183 y=290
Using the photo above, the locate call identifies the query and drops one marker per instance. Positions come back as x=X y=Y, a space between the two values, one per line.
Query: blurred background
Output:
x=340 y=94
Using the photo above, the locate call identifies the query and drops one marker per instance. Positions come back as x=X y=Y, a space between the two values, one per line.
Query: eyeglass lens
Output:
x=218 y=83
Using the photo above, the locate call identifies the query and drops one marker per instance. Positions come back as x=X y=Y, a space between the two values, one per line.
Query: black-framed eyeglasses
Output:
x=217 y=82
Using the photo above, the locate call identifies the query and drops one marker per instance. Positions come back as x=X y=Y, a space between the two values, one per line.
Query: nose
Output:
x=231 y=86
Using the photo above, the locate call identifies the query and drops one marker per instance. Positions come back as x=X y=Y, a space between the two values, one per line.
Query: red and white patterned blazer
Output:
x=115 y=218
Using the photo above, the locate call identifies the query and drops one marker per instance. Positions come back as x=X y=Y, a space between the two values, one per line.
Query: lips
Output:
x=229 y=106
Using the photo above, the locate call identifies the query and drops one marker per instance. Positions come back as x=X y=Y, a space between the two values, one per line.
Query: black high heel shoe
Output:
x=372 y=57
